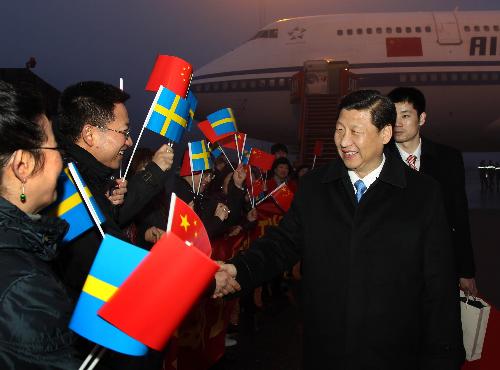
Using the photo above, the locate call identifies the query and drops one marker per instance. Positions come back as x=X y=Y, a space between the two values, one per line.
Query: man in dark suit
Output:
x=379 y=289
x=442 y=163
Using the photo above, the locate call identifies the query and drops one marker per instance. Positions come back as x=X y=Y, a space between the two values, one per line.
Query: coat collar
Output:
x=393 y=172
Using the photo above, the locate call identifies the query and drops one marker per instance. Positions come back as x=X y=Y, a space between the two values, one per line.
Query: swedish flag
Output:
x=216 y=151
x=193 y=103
x=199 y=156
x=113 y=263
x=223 y=122
x=168 y=115
x=70 y=207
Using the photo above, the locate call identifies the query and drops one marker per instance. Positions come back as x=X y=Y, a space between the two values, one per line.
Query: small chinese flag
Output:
x=404 y=46
x=318 y=148
x=185 y=223
x=261 y=159
x=283 y=197
x=172 y=72
x=155 y=298
x=230 y=142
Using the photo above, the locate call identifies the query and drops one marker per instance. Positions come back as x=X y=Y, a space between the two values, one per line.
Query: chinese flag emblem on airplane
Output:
x=404 y=46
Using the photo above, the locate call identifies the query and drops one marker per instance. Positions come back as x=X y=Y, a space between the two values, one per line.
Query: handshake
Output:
x=225 y=280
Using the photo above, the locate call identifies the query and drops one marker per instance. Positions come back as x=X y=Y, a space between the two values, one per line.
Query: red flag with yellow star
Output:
x=283 y=197
x=185 y=223
x=261 y=159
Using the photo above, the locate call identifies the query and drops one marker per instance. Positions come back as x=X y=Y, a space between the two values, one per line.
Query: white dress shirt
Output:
x=368 y=179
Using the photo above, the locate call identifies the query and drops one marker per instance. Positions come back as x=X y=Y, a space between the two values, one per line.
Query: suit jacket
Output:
x=446 y=166
x=379 y=289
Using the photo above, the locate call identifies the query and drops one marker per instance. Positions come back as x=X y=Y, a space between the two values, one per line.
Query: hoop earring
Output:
x=22 y=197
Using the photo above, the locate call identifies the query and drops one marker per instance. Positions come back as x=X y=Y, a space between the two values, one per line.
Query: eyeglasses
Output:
x=125 y=133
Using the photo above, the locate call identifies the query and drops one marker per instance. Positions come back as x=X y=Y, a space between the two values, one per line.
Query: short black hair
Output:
x=279 y=147
x=88 y=102
x=18 y=126
x=410 y=95
x=382 y=110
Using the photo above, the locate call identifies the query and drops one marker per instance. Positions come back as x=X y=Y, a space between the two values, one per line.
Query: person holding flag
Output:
x=34 y=306
x=93 y=129
x=378 y=276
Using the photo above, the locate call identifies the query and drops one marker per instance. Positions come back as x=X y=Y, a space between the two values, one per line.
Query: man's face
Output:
x=110 y=144
x=359 y=143
x=408 y=123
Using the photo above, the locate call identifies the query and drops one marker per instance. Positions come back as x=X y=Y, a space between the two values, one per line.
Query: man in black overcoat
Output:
x=445 y=165
x=379 y=288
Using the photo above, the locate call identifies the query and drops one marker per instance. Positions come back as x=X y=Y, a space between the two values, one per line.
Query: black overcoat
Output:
x=379 y=289
x=446 y=166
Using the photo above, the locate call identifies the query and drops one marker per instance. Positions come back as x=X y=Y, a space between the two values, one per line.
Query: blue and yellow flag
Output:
x=113 y=263
x=193 y=103
x=245 y=154
x=70 y=207
x=199 y=156
x=216 y=150
x=223 y=122
x=168 y=115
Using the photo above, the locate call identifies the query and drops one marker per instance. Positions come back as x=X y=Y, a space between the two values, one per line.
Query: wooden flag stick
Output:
x=237 y=148
x=199 y=184
x=271 y=193
x=90 y=356
x=97 y=359
x=85 y=197
x=150 y=112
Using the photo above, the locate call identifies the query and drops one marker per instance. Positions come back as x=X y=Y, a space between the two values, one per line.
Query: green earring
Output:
x=22 y=197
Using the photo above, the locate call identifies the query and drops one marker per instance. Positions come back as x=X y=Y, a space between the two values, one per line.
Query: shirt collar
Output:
x=417 y=153
x=371 y=177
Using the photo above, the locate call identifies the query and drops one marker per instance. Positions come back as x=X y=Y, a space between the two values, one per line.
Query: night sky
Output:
x=74 y=40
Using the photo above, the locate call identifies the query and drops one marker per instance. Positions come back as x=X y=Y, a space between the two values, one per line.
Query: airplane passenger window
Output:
x=369 y=31
x=477 y=28
x=207 y=87
x=408 y=29
x=215 y=86
x=454 y=77
x=388 y=30
x=379 y=30
x=474 y=76
x=273 y=33
x=434 y=76
x=262 y=83
x=197 y=88
x=484 y=76
x=494 y=76
x=359 y=31
x=428 y=29
x=281 y=82
x=272 y=83
x=486 y=28
x=253 y=84
x=443 y=77
x=418 y=29
x=243 y=84
x=349 y=32
x=340 y=32
x=467 y=28
x=225 y=85
x=398 y=29
x=234 y=85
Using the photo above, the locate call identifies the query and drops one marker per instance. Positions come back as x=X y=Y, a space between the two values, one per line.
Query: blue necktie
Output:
x=360 y=189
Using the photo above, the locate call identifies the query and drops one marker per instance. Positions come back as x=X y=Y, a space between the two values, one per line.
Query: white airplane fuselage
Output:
x=453 y=57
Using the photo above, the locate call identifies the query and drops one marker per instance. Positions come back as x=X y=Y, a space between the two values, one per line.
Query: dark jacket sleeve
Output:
x=235 y=202
x=459 y=218
x=442 y=346
x=276 y=252
x=43 y=341
x=142 y=187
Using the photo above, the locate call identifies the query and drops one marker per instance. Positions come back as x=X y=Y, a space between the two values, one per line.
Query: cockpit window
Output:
x=266 y=34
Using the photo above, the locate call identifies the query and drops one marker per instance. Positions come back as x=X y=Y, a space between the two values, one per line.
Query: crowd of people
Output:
x=382 y=249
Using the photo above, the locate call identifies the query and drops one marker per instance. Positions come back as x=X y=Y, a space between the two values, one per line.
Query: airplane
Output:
x=453 y=57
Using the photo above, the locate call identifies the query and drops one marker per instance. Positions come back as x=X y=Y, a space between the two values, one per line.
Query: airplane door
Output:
x=447 y=28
